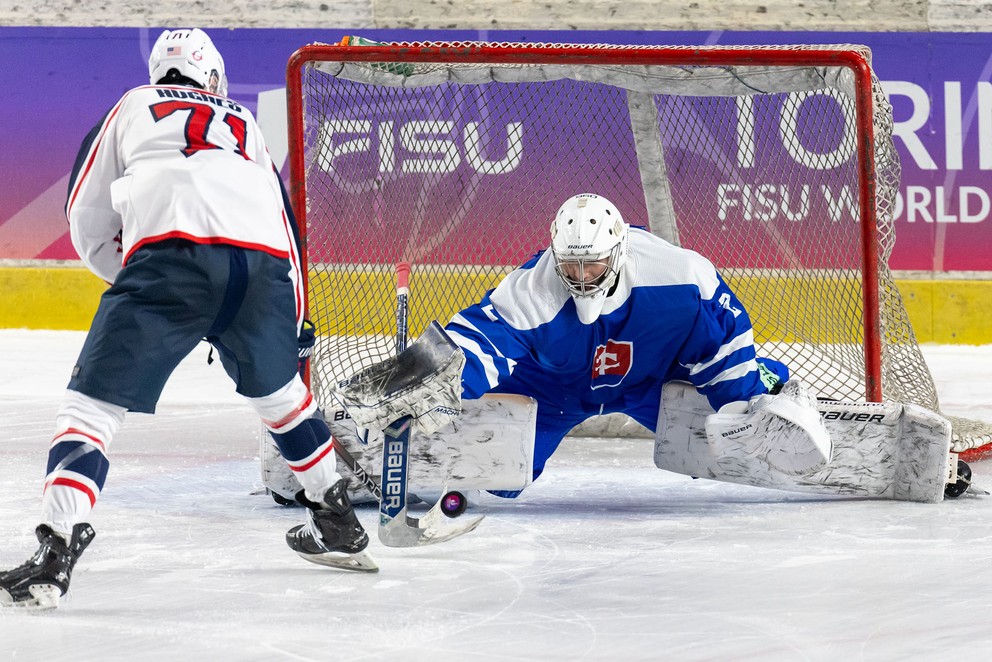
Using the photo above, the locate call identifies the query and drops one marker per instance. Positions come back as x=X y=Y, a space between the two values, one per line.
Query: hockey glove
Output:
x=423 y=381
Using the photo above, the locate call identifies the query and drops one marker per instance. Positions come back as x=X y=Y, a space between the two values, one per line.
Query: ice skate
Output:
x=332 y=535
x=44 y=578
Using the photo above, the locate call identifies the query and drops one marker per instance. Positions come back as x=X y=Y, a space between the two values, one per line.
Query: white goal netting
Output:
x=453 y=157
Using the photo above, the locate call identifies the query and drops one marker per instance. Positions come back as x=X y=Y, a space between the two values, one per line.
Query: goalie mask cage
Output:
x=775 y=162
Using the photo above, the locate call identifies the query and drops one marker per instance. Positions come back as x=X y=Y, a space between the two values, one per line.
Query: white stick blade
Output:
x=433 y=527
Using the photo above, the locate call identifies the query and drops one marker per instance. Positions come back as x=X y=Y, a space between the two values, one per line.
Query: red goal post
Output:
x=775 y=162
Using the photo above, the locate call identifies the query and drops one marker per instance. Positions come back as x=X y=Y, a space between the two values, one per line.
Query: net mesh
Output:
x=458 y=167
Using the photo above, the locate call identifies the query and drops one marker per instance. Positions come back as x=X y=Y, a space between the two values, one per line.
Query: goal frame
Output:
x=741 y=56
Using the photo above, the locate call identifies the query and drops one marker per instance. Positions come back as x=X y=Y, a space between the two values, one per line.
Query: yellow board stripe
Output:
x=65 y=298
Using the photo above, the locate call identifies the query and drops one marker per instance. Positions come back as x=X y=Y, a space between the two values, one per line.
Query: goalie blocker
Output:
x=880 y=450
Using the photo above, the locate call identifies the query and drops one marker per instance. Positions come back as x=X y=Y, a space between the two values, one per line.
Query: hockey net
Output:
x=454 y=157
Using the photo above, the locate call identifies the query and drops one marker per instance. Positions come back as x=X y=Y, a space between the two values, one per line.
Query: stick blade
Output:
x=433 y=527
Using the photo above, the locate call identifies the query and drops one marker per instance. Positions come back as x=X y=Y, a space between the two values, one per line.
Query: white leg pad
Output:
x=882 y=450
x=276 y=474
x=490 y=446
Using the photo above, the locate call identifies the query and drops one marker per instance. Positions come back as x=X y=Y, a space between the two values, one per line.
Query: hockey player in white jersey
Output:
x=175 y=202
x=601 y=321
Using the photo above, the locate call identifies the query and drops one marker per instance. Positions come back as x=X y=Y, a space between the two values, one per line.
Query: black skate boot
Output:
x=44 y=578
x=332 y=535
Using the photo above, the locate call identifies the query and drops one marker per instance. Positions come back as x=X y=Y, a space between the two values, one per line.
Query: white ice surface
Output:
x=603 y=558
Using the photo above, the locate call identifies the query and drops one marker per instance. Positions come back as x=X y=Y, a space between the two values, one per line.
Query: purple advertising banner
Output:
x=60 y=82
x=469 y=174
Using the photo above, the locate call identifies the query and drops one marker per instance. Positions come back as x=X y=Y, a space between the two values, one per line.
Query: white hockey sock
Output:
x=304 y=440
x=63 y=507
x=95 y=417
x=287 y=407
x=317 y=472
x=77 y=460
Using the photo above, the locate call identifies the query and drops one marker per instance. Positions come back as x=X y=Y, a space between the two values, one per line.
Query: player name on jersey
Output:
x=196 y=95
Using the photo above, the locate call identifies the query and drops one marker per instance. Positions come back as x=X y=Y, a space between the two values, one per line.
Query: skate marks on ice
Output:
x=589 y=563
x=603 y=558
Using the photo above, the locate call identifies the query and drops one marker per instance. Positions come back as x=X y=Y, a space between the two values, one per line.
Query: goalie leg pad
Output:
x=881 y=450
x=277 y=477
x=489 y=447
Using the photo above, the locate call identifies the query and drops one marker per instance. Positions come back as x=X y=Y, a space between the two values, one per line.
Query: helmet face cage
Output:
x=193 y=55
x=609 y=263
x=588 y=230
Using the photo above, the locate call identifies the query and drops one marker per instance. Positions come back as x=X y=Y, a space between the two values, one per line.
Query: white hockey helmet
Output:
x=192 y=55
x=589 y=244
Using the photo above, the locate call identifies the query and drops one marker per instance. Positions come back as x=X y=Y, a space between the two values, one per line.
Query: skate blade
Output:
x=43 y=596
x=360 y=562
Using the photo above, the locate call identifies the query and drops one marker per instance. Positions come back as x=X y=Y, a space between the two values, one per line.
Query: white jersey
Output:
x=175 y=162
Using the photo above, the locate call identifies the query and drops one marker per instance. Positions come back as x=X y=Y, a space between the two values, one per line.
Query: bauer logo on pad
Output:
x=611 y=363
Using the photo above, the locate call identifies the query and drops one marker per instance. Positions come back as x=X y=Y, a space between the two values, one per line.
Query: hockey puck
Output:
x=453 y=504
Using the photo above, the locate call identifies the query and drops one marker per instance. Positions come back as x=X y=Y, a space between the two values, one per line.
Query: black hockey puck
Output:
x=954 y=490
x=453 y=504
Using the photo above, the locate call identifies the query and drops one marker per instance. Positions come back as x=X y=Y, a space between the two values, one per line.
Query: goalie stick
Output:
x=396 y=527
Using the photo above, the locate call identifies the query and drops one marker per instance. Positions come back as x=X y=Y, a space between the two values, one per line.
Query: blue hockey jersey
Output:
x=669 y=317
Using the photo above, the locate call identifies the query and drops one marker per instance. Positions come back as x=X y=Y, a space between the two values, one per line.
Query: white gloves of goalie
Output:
x=423 y=382
x=784 y=430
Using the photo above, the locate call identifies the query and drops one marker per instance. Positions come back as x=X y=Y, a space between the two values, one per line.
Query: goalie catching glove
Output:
x=784 y=430
x=423 y=381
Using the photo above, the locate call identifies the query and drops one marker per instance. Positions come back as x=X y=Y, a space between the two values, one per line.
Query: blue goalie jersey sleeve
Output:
x=670 y=316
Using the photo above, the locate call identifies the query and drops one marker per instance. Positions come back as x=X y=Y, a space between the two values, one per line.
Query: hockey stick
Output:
x=396 y=527
x=364 y=477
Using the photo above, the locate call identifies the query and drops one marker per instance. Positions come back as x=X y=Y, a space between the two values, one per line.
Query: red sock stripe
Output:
x=79 y=432
x=330 y=447
x=76 y=485
x=293 y=415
